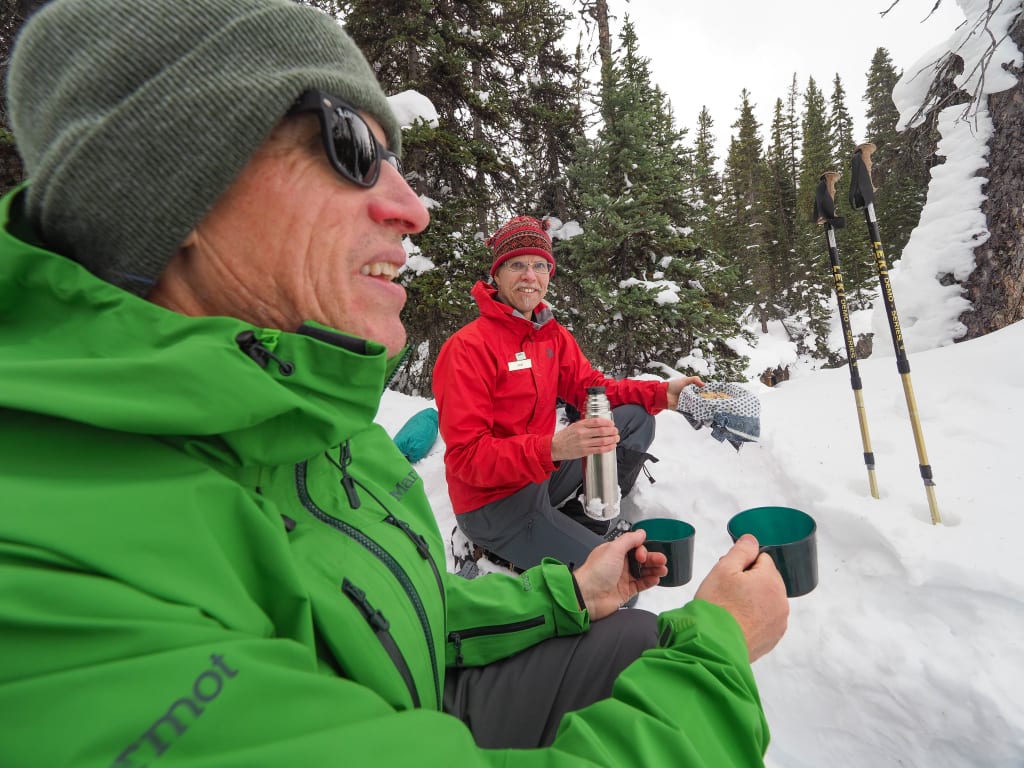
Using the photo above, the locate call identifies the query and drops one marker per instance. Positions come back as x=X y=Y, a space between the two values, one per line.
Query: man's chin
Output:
x=395 y=341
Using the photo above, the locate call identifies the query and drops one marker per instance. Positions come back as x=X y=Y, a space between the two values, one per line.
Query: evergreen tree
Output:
x=816 y=155
x=853 y=242
x=780 y=195
x=552 y=120
x=708 y=184
x=811 y=289
x=840 y=126
x=902 y=161
x=791 y=132
x=743 y=203
x=644 y=283
x=507 y=113
x=882 y=115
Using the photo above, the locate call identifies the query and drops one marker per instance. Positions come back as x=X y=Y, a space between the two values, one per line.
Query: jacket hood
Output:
x=77 y=348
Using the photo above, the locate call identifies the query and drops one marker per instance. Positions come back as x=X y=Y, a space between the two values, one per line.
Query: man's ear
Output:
x=190 y=240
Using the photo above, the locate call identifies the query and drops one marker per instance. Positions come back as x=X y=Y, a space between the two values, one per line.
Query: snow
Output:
x=410 y=106
x=910 y=652
x=952 y=224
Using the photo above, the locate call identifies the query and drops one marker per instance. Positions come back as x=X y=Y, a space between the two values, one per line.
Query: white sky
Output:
x=705 y=53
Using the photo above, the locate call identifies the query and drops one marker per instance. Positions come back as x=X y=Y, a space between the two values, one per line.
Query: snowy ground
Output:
x=911 y=650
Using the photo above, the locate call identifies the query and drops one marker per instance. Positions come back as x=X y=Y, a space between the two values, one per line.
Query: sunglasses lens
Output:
x=355 y=147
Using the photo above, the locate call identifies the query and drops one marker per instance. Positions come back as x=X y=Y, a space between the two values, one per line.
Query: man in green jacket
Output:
x=210 y=554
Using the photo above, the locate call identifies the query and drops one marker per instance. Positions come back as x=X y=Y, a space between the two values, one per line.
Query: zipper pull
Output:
x=456 y=639
x=373 y=616
x=344 y=459
x=251 y=345
x=346 y=479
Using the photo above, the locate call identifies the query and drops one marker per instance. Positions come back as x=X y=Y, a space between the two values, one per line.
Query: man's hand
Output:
x=748 y=586
x=583 y=438
x=604 y=578
x=675 y=386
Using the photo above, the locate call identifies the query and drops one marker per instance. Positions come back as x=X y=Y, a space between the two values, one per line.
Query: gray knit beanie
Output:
x=134 y=116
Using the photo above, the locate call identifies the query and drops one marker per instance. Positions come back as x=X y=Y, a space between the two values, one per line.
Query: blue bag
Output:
x=417 y=435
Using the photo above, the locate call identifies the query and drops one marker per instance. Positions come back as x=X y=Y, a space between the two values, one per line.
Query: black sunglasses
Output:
x=351 y=147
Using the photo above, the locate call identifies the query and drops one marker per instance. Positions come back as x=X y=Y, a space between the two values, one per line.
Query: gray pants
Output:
x=518 y=702
x=526 y=527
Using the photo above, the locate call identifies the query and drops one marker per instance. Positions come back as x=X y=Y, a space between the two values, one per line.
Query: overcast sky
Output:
x=705 y=52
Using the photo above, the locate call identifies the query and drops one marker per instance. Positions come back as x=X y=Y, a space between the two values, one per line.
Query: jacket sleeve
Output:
x=576 y=374
x=465 y=375
x=496 y=617
x=691 y=702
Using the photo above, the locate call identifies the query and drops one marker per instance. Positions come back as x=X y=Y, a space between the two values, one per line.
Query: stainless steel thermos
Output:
x=600 y=473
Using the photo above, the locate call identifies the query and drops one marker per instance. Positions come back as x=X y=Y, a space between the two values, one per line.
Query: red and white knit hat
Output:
x=522 y=236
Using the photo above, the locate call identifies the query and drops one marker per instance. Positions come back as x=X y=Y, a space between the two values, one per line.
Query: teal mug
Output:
x=786 y=535
x=674 y=539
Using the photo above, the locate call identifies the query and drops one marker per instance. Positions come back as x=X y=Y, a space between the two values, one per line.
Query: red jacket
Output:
x=496 y=381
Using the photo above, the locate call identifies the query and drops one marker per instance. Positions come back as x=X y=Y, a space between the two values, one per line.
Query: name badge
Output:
x=520 y=365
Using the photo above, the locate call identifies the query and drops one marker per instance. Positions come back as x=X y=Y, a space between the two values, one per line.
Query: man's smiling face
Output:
x=522 y=290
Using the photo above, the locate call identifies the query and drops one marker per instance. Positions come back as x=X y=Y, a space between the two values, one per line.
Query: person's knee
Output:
x=635 y=425
x=634 y=630
x=642 y=628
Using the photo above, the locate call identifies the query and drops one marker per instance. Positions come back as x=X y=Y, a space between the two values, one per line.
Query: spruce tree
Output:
x=743 y=203
x=840 y=126
x=503 y=93
x=708 y=185
x=853 y=242
x=882 y=115
x=780 y=195
x=901 y=162
x=646 y=301
x=811 y=289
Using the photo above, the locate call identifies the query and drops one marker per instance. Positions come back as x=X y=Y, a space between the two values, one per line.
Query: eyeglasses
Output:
x=351 y=147
x=540 y=267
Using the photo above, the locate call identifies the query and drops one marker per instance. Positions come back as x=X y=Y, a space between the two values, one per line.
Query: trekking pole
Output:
x=825 y=213
x=862 y=195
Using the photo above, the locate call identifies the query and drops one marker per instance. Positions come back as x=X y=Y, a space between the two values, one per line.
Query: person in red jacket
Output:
x=513 y=478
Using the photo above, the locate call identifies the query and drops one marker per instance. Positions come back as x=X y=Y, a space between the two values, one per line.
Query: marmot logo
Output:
x=402 y=486
x=206 y=687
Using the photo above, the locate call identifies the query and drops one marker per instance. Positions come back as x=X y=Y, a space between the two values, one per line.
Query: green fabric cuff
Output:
x=681 y=626
x=569 y=618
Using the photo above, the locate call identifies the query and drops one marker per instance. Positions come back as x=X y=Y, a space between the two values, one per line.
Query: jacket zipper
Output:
x=346 y=479
x=386 y=558
x=458 y=636
x=380 y=626
x=349 y=483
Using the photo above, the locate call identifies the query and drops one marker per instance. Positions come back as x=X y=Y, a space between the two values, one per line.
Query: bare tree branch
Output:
x=897 y=2
x=941 y=93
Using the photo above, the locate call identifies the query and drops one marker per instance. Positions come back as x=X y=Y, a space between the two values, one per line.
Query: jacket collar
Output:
x=486 y=296
x=77 y=348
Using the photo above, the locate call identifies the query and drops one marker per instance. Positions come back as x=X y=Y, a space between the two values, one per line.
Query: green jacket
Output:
x=210 y=555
